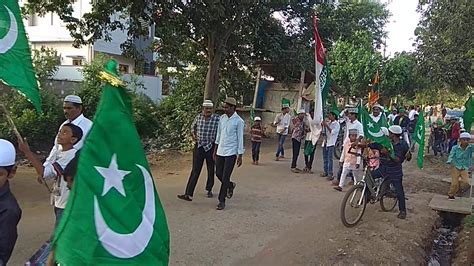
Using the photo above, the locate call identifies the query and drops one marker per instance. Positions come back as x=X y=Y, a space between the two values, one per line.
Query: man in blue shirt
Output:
x=229 y=149
x=10 y=212
x=391 y=167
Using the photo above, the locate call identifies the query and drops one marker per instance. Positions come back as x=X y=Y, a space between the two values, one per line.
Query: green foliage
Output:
x=91 y=88
x=400 y=76
x=45 y=62
x=445 y=46
x=469 y=221
x=177 y=111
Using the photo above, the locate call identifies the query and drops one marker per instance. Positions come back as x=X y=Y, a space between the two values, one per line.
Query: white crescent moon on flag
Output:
x=127 y=246
x=376 y=134
x=9 y=40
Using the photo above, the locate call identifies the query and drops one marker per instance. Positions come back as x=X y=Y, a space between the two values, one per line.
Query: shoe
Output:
x=256 y=163
x=451 y=198
x=230 y=191
x=338 y=188
x=185 y=197
x=329 y=178
x=209 y=194
x=402 y=215
x=295 y=170
x=323 y=175
x=253 y=162
x=277 y=159
x=220 y=206
x=335 y=182
x=282 y=157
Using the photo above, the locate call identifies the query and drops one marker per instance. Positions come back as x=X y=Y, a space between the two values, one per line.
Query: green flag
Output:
x=16 y=67
x=114 y=215
x=419 y=137
x=373 y=130
x=468 y=115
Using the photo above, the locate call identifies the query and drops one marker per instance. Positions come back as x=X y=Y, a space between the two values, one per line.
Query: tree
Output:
x=400 y=76
x=45 y=61
x=444 y=43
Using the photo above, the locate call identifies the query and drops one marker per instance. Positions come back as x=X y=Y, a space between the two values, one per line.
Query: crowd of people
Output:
x=219 y=141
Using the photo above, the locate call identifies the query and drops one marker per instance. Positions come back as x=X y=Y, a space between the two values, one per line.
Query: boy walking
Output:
x=349 y=162
x=332 y=131
x=69 y=135
x=460 y=158
x=10 y=212
x=298 y=135
x=257 y=134
x=282 y=123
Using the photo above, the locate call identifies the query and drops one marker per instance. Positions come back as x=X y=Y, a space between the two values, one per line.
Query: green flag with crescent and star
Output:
x=373 y=130
x=114 y=215
x=419 y=137
x=16 y=67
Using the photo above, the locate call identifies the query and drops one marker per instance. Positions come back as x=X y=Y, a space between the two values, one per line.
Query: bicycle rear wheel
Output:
x=388 y=199
x=353 y=206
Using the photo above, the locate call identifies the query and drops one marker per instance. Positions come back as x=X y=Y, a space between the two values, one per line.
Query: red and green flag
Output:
x=374 y=93
x=114 y=215
x=16 y=67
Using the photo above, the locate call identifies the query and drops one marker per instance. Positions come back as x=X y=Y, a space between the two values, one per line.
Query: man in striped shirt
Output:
x=204 y=131
x=257 y=134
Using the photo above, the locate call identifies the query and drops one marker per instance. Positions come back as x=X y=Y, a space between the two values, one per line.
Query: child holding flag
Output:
x=349 y=161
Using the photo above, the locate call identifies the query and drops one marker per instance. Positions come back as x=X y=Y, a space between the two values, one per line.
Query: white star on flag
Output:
x=113 y=177
x=370 y=124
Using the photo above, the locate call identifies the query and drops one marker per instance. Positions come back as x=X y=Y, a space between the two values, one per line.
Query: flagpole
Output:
x=12 y=124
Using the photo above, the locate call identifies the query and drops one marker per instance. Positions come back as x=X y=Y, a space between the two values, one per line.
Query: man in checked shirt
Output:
x=204 y=130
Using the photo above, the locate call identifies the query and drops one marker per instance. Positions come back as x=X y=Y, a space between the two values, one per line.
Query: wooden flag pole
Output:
x=12 y=124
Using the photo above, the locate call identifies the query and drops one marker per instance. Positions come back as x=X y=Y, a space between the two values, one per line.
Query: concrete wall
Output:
x=65 y=50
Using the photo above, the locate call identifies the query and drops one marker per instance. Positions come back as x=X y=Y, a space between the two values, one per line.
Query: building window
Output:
x=123 y=68
x=77 y=62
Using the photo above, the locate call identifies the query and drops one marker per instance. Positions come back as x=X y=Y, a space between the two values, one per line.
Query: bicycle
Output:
x=366 y=190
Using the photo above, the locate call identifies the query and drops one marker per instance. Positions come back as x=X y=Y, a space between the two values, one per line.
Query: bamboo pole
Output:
x=12 y=124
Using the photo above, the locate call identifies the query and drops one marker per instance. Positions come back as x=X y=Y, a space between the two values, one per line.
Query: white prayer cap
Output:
x=377 y=106
x=207 y=103
x=285 y=105
x=465 y=135
x=353 y=131
x=7 y=153
x=384 y=130
x=396 y=129
x=257 y=118
x=73 y=99
x=301 y=111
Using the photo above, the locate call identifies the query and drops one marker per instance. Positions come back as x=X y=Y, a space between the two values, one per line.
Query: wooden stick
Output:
x=12 y=124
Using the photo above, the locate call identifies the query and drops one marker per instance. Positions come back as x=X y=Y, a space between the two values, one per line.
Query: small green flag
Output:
x=468 y=115
x=373 y=130
x=16 y=67
x=114 y=215
x=419 y=137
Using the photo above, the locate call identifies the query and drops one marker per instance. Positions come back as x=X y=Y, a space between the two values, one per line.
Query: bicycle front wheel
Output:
x=388 y=199
x=353 y=206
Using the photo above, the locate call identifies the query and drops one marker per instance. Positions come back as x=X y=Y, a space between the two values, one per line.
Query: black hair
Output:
x=71 y=167
x=77 y=105
x=76 y=131
x=8 y=168
x=333 y=113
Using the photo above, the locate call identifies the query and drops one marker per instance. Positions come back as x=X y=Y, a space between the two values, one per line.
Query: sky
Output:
x=402 y=25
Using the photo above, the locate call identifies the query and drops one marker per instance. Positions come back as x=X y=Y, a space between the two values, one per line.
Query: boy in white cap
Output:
x=299 y=133
x=460 y=158
x=349 y=161
x=73 y=111
x=10 y=212
x=282 y=123
x=257 y=133
x=204 y=131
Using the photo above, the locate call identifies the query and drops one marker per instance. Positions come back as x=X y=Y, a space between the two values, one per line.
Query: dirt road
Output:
x=275 y=218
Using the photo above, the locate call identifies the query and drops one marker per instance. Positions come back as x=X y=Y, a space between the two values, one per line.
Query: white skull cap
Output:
x=7 y=153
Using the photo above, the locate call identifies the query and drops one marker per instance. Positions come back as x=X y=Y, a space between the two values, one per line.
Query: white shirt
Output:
x=282 y=121
x=353 y=125
x=82 y=122
x=411 y=114
x=230 y=135
x=62 y=158
x=375 y=118
x=391 y=117
x=331 y=138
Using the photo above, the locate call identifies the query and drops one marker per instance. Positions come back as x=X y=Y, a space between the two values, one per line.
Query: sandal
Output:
x=185 y=197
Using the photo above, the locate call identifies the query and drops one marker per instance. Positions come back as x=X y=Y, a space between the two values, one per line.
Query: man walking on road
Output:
x=204 y=131
x=282 y=122
x=229 y=149
x=73 y=110
x=299 y=133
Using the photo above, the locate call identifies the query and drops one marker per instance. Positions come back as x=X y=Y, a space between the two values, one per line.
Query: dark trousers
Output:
x=397 y=184
x=452 y=143
x=224 y=167
x=438 y=147
x=199 y=155
x=281 y=141
x=296 y=152
x=327 y=160
x=256 y=150
x=308 y=159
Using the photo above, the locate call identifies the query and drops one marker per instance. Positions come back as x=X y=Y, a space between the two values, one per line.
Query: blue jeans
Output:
x=327 y=160
x=281 y=141
x=397 y=184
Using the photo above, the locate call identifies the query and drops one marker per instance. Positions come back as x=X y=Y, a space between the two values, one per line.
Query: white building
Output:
x=50 y=31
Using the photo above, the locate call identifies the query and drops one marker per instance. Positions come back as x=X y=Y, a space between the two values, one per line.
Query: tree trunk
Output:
x=211 y=88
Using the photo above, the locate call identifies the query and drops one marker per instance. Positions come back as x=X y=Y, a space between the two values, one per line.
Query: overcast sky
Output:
x=402 y=25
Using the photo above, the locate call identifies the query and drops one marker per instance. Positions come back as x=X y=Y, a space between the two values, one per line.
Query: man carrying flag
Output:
x=419 y=137
x=373 y=129
x=113 y=209
x=16 y=67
